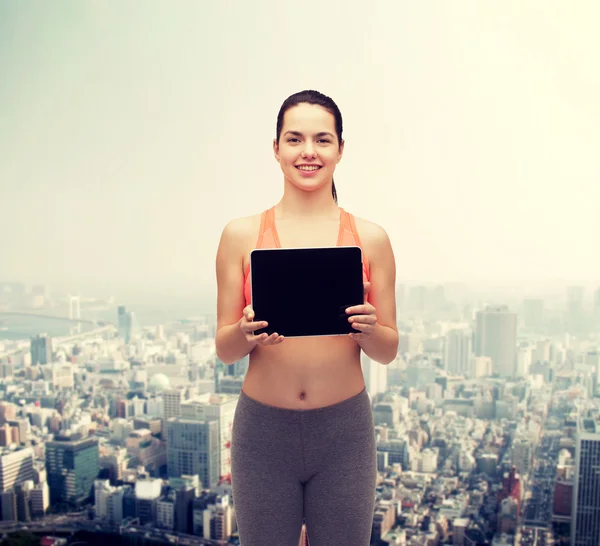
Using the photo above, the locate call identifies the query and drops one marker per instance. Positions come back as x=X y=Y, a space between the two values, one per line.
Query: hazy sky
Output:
x=131 y=132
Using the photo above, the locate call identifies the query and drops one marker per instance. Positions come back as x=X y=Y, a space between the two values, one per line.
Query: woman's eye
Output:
x=293 y=140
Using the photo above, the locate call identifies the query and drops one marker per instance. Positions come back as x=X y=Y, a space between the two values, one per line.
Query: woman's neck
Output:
x=303 y=204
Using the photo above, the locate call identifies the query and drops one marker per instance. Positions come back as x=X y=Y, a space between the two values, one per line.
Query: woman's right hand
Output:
x=248 y=327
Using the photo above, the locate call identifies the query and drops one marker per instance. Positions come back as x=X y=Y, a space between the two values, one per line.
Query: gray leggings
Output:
x=317 y=464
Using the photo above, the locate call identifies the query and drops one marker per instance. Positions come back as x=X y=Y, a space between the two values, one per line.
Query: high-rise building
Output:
x=219 y=408
x=512 y=487
x=592 y=359
x=165 y=511
x=102 y=493
x=496 y=337
x=172 y=399
x=41 y=349
x=585 y=519
x=375 y=376
x=184 y=497
x=125 y=323
x=193 y=448
x=562 y=502
x=458 y=352
x=147 y=493
x=40 y=499
x=16 y=467
x=8 y=505
x=121 y=312
x=237 y=369
x=72 y=463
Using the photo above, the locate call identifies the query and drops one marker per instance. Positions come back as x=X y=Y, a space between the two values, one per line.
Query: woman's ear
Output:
x=341 y=150
x=276 y=149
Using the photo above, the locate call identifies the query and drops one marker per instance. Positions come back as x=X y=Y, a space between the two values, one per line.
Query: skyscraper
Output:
x=219 y=408
x=125 y=323
x=375 y=375
x=193 y=448
x=585 y=519
x=72 y=466
x=496 y=337
x=172 y=399
x=16 y=467
x=458 y=352
x=41 y=349
x=121 y=320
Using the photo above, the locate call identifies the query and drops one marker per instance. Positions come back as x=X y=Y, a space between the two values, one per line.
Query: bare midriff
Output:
x=305 y=372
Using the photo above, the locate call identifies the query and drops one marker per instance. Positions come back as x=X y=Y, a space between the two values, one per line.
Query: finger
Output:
x=271 y=339
x=367 y=287
x=365 y=319
x=360 y=326
x=252 y=326
x=365 y=309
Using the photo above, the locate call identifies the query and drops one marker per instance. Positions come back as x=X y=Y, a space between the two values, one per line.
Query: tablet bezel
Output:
x=262 y=250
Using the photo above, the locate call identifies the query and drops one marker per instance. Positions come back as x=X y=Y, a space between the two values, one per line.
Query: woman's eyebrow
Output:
x=298 y=133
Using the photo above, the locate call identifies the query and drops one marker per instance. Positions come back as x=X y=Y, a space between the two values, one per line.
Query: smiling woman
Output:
x=303 y=440
x=324 y=137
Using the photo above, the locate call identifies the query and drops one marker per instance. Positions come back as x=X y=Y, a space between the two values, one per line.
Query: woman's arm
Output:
x=382 y=344
x=231 y=342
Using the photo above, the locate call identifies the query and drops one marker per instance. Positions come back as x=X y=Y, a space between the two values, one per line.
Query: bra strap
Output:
x=354 y=230
x=261 y=233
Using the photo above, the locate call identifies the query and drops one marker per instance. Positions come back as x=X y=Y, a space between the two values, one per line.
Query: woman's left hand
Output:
x=364 y=319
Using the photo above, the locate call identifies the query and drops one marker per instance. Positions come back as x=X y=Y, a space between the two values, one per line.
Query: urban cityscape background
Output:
x=487 y=422
x=129 y=136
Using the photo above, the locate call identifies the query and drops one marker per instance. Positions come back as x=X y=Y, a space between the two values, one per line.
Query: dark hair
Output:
x=312 y=97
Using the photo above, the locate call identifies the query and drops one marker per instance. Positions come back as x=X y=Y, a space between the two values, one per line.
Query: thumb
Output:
x=367 y=286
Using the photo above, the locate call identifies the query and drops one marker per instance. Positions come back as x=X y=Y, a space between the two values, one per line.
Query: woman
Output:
x=303 y=440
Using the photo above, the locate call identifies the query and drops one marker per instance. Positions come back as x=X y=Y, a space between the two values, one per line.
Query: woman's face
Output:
x=308 y=149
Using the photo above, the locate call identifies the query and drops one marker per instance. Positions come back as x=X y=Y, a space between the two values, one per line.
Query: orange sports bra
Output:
x=268 y=238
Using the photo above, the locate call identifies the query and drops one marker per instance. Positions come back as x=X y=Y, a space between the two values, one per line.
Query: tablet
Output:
x=305 y=291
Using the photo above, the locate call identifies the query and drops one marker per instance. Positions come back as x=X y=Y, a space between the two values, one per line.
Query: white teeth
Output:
x=307 y=168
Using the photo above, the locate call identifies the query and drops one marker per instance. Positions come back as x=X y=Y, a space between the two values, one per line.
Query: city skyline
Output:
x=128 y=144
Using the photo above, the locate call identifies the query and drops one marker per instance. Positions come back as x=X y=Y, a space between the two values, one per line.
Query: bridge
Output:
x=44 y=316
x=24 y=346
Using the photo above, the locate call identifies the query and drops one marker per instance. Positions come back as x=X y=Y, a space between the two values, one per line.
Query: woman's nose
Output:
x=309 y=150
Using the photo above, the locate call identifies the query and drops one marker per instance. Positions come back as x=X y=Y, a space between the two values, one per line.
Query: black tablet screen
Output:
x=305 y=291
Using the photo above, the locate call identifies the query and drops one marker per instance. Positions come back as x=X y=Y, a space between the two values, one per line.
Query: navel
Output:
x=302 y=395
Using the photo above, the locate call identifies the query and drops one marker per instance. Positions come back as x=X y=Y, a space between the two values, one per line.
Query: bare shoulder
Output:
x=240 y=231
x=372 y=235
